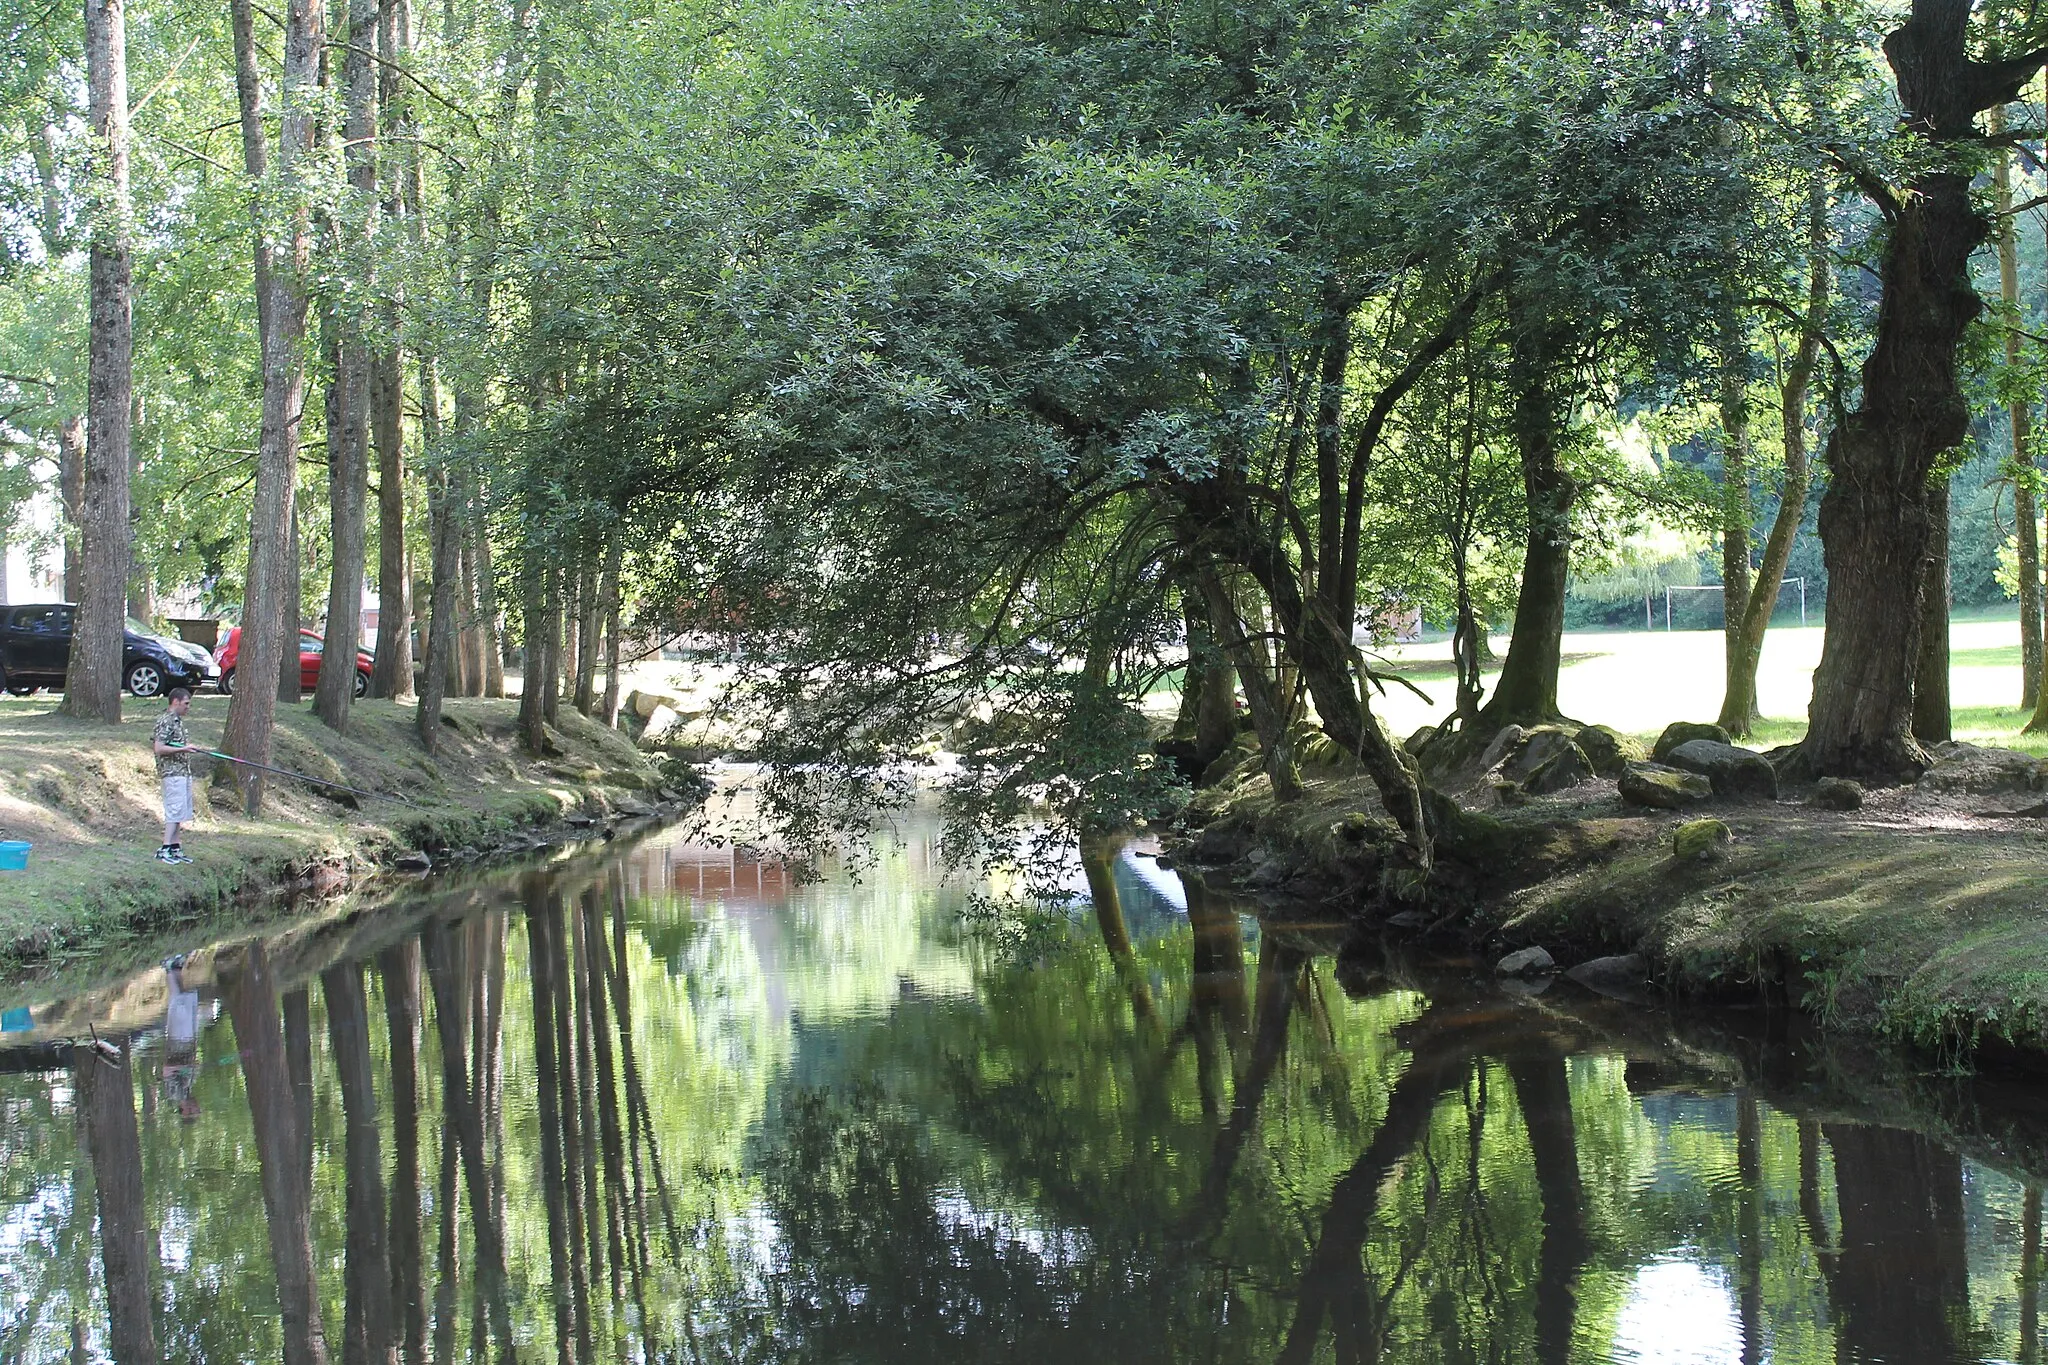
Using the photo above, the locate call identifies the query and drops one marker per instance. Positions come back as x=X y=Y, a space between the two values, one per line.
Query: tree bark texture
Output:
x=266 y=610
x=1875 y=523
x=1526 y=691
x=1739 y=703
x=106 y=1099
x=348 y=445
x=1931 y=716
x=444 y=626
x=2019 y=409
x=71 y=497
x=92 y=682
x=608 y=597
x=252 y=1005
x=1736 y=511
x=401 y=193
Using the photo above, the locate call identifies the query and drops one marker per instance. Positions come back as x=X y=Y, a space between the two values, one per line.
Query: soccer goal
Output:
x=1783 y=583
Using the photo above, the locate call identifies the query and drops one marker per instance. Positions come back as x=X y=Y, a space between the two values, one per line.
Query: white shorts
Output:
x=177 y=800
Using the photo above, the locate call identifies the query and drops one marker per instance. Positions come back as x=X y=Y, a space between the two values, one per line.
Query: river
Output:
x=662 y=1102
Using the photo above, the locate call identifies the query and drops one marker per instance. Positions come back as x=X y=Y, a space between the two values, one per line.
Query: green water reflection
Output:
x=663 y=1104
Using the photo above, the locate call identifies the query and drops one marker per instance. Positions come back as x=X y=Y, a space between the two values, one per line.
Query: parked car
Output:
x=312 y=648
x=35 y=651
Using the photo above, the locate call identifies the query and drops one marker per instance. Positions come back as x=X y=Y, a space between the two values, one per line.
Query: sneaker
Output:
x=178 y=855
x=167 y=855
x=174 y=962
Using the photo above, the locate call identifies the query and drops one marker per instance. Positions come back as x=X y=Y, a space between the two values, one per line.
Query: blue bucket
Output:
x=13 y=855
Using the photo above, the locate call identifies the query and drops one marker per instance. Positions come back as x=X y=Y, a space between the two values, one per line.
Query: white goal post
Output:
x=1722 y=588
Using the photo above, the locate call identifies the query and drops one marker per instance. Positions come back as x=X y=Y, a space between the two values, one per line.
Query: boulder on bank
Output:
x=1683 y=731
x=1545 y=760
x=1968 y=769
x=1837 y=793
x=1732 y=770
x=1700 y=841
x=1525 y=962
x=643 y=704
x=1607 y=749
x=1662 y=788
x=1620 y=973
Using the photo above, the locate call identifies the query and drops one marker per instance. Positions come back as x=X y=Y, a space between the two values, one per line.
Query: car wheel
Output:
x=145 y=679
x=362 y=685
x=227 y=682
x=21 y=689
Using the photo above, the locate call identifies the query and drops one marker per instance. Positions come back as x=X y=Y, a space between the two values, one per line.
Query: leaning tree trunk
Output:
x=1526 y=691
x=253 y=711
x=92 y=681
x=1875 y=521
x=1741 y=700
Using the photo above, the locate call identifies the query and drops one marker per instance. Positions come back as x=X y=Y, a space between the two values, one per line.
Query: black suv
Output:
x=35 y=651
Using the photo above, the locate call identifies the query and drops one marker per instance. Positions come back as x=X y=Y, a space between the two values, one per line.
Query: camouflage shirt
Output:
x=170 y=729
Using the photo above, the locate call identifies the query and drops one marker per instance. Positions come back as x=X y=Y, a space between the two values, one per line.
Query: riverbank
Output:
x=1918 y=917
x=85 y=795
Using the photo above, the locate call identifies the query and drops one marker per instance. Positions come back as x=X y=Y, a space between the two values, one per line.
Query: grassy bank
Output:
x=1915 y=918
x=86 y=796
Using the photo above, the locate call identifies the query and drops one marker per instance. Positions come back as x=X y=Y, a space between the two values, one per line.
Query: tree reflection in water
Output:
x=546 y=1116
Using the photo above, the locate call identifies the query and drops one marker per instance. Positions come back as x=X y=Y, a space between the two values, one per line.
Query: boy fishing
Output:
x=173 y=749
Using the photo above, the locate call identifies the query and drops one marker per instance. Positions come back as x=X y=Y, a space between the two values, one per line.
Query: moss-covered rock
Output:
x=1680 y=731
x=1734 y=771
x=1700 y=841
x=1662 y=788
x=1607 y=749
x=1837 y=793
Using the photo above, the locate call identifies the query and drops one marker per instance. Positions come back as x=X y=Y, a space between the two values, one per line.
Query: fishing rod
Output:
x=305 y=777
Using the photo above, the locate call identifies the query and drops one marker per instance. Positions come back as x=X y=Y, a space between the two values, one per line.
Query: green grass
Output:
x=86 y=796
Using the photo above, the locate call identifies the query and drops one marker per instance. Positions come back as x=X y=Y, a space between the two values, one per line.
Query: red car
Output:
x=311 y=649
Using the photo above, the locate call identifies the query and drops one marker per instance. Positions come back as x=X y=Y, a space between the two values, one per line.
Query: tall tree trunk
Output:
x=1931 y=722
x=589 y=634
x=252 y=1005
x=1739 y=703
x=1526 y=691
x=402 y=197
x=469 y=613
x=71 y=499
x=533 y=684
x=1736 y=511
x=1262 y=697
x=1875 y=522
x=2019 y=409
x=348 y=448
x=614 y=563
x=92 y=682
x=491 y=618
x=106 y=1101
x=443 y=625
x=253 y=710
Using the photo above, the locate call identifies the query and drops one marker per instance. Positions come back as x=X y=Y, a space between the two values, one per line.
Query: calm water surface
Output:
x=662 y=1104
